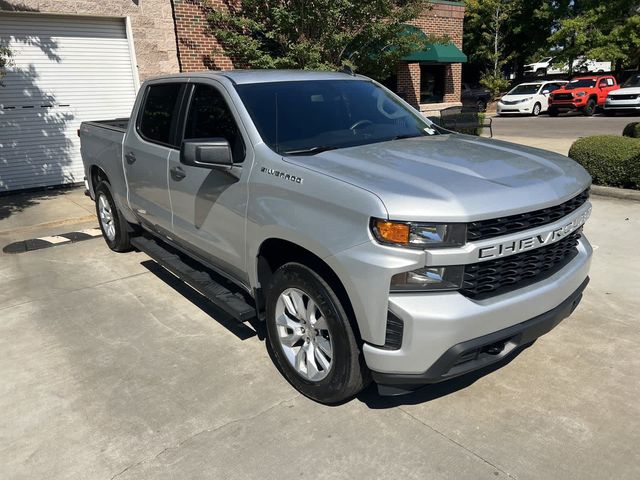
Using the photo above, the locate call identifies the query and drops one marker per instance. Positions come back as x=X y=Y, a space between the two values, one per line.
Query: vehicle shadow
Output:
x=12 y=203
x=240 y=330
x=372 y=399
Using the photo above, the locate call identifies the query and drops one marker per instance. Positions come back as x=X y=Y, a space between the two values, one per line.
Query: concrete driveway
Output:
x=110 y=368
x=557 y=134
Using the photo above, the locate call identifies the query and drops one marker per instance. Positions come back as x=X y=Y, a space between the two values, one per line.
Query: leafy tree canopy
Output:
x=566 y=29
x=367 y=35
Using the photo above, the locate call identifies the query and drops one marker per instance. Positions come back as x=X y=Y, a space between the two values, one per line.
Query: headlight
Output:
x=418 y=235
x=428 y=278
x=525 y=100
x=581 y=94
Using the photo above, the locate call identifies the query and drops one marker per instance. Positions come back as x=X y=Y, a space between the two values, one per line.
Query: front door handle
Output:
x=130 y=157
x=177 y=173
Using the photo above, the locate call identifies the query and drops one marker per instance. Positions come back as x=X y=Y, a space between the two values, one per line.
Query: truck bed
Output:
x=101 y=147
x=119 y=124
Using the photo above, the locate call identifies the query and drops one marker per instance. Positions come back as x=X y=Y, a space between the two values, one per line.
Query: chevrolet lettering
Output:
x=512 y=247
x=413 y=254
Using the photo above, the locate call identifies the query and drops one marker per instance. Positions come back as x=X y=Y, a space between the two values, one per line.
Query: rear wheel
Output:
x=311 y=337
x=481 y=106
x=541 y=72
x=590 y=108
x=536 y=110
x=115 y=228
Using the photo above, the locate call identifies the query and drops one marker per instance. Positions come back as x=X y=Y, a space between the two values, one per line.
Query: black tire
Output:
x=121 y=241
x=553 y=112
x=609 y=113
x=584 y=70
x=537 y=108
x=348 y=373
x=541 y=72
x=481 y=106
x=590 y=108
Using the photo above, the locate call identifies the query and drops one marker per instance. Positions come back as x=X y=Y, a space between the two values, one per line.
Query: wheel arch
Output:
x=96 y=175
x=275 y=252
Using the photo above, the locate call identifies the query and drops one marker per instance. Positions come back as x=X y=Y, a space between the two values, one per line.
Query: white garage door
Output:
x=67 y=69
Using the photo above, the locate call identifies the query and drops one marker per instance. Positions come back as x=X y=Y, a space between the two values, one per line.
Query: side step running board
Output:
x=217 y=289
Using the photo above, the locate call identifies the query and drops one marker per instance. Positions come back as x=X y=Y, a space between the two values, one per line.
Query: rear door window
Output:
x=159 y=113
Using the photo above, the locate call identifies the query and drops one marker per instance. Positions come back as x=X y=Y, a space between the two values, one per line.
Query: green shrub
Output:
x=632 y=130
x=611 y=160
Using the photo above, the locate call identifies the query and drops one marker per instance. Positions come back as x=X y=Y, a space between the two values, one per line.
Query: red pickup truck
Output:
x=583 y=93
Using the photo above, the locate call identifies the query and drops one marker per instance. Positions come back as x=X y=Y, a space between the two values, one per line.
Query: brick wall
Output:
x=442 y=19
x=151 y=24
x=197 y=49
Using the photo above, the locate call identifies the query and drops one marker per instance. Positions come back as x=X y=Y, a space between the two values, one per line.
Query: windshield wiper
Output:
x=402 y=137
x=310 y=150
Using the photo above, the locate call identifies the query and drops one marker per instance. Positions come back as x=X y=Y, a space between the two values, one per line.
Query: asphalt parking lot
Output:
x=557 y=134
x=113 y=369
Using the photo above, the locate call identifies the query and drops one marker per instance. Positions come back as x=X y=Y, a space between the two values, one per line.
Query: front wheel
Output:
x=590 y=108
x=481 y=106
x=311 y=337
x=113 y=225
x=536 y=110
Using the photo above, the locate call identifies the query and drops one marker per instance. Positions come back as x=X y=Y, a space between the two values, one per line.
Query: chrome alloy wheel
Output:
x=106 y=217
x=304 y=334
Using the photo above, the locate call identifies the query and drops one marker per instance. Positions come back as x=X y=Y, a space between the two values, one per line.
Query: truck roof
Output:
x=264 y=76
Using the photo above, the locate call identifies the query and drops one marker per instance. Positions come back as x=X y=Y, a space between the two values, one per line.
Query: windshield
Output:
x=582 y=83
x=525 y=89
x=632 y=82
x=307 y=117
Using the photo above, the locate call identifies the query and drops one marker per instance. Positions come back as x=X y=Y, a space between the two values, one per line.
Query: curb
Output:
x=612 y=192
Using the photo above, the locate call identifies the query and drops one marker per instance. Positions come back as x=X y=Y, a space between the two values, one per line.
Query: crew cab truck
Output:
x=585 y=94
x=371 y=243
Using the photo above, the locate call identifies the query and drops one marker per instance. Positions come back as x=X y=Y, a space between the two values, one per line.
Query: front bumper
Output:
x=485 y=350
x=436 y=322
x=622 y=105
x=517 y=108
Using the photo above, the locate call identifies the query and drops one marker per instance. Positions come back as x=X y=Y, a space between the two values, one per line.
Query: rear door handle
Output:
x=177 y=173
x=130 y=157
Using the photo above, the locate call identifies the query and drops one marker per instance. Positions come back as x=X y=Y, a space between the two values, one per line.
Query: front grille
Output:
x=495 y=277
x=563 y=96
x=516 y=223
x=624 y=97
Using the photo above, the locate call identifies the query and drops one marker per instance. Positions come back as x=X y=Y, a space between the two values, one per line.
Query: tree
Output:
x=488 y=19
x=608 y=31
x=367 y=35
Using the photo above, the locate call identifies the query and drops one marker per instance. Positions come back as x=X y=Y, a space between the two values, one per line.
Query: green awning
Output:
x=437 y=53
x=432 y=52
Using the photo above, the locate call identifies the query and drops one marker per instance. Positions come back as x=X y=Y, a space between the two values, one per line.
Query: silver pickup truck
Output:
x=367 y=242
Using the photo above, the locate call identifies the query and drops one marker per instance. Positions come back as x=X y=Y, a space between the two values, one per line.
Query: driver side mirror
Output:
x=206 y=153
x=546 y=92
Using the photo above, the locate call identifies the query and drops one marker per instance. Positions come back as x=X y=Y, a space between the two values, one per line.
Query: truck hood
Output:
x=453 y=177
x=626 y=91
x=514 y=98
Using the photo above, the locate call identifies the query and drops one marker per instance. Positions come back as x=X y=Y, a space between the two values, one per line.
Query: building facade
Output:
x=77 y=60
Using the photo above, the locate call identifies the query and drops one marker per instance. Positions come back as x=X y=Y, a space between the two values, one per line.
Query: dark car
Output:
x=477 y=97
